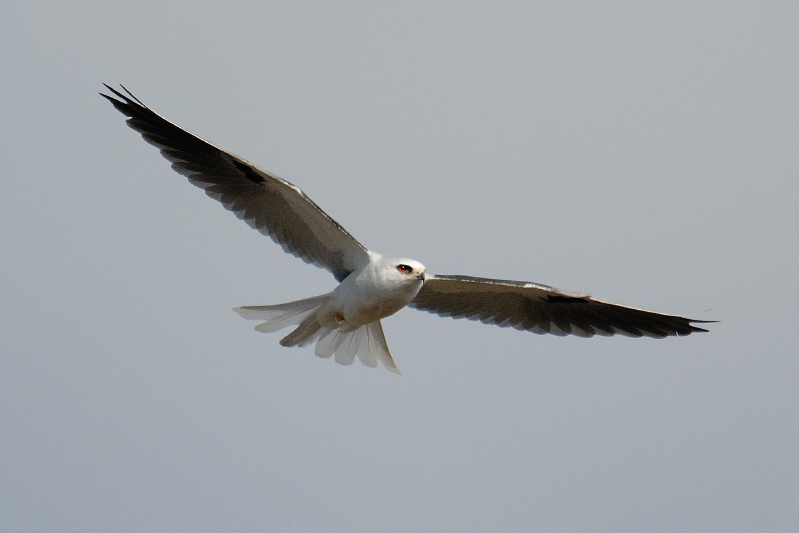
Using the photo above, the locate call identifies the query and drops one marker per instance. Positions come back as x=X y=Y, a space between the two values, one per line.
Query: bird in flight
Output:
x=345 y=323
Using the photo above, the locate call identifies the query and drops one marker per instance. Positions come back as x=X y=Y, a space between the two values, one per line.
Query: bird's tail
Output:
x=281 y=316
x=367 y=342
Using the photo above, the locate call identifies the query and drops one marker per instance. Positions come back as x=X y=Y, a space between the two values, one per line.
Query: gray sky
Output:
x=644 y=154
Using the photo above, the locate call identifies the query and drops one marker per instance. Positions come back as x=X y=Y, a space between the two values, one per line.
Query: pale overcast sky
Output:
x=644 y=153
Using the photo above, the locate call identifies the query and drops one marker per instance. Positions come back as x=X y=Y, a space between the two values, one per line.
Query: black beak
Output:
x=420 y=276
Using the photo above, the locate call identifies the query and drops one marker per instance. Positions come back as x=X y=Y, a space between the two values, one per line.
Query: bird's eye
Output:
x=405 y=269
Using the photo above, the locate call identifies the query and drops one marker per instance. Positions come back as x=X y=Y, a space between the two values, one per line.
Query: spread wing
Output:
x=541 y=309
x=269 y=204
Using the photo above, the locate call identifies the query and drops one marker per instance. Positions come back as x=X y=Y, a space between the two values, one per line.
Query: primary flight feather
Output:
x=345 y=323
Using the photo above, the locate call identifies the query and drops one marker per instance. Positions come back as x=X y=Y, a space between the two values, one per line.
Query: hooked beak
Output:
x=420 y=277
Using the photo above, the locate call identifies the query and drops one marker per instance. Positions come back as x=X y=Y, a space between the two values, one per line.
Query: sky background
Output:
x=645 y=154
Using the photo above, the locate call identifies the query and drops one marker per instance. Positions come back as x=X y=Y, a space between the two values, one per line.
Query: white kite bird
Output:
x=346 y=321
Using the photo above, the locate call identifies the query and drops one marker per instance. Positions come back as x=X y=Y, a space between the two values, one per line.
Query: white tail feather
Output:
x=306 y=333
x=346 y=351
x=282 y=315
x=377 y=347
x=284 y=321
x=328 y=342
x=367 y=342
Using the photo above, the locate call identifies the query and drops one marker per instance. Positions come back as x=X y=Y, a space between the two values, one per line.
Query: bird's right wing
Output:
x=532 y=307
x=269 y=204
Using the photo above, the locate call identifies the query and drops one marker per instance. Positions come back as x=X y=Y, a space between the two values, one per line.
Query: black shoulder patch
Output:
x=563 y=299
x=248 y=172
x=341 y=276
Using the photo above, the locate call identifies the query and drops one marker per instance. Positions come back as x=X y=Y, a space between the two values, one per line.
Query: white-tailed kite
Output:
x=372 y=286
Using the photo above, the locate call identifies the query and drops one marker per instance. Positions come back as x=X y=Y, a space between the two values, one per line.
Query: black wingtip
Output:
x=698 y=329
x=123 y=99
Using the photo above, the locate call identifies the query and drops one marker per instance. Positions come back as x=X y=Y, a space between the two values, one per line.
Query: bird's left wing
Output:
x=269 y=204
x=541 y=309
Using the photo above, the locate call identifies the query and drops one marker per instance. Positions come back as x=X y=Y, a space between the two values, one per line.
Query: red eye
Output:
x=405 y=269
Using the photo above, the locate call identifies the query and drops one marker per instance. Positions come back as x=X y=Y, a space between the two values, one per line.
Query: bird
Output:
x=346 y=322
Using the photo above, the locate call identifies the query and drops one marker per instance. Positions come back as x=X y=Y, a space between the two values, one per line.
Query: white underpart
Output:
x=346 y=322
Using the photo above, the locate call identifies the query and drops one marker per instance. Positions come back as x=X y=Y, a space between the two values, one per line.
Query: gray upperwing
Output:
x=542 y=309
x=266 y=202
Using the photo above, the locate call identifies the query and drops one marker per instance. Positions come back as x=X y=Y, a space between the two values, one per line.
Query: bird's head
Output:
x=403 y=269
